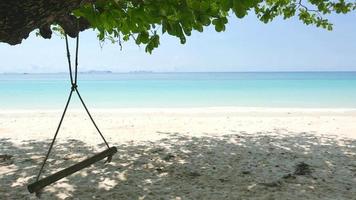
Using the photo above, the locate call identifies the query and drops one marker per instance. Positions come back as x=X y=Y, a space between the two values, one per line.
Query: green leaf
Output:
x=141 y=19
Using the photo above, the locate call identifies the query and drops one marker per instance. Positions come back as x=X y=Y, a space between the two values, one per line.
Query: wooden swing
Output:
x=39 y=184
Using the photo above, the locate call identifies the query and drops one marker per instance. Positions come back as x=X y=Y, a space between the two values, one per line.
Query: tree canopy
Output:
x=145 y=20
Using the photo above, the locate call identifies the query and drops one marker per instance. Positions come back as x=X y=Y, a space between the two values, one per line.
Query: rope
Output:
x=74 y=88
x=91 y=118
x=55 y=135
x=76 y=60
x=68 y=58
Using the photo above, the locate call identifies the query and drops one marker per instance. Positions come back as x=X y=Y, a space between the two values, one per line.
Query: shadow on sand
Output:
x=234 y=166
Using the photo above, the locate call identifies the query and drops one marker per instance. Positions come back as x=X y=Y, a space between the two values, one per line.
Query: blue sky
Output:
x=246 y=45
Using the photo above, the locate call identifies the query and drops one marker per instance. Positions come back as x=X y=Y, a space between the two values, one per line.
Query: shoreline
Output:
x=190 y=110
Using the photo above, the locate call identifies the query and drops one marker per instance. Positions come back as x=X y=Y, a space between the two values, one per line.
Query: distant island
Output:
x=82 y=72
x=96 y=72
x=141 y=72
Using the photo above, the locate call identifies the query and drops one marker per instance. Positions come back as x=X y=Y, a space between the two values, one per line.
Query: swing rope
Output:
x=74 y=88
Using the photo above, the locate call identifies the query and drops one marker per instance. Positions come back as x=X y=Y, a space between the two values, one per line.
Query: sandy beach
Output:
x=185 y=153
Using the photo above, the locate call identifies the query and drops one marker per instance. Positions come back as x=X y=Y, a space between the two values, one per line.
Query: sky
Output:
x=246 y=45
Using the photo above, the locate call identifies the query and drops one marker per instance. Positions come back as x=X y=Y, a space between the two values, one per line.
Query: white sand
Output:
x=197 y=153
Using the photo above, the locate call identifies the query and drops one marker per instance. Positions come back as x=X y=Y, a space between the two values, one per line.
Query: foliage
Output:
x=145 y=20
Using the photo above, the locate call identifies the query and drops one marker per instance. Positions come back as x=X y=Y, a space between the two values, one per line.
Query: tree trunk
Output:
x=20 y=17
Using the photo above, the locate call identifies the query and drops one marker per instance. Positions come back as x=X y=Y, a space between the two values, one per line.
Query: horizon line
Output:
x=166 y=72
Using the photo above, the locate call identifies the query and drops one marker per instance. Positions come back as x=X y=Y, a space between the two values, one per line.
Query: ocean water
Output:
x=133 y=90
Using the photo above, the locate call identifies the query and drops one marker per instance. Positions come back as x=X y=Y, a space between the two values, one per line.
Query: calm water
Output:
x=312 y=89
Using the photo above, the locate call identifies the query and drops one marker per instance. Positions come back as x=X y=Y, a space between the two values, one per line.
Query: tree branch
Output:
x=20 y=17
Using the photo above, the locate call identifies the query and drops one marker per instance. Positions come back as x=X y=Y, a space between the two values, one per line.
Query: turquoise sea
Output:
x=122 y=90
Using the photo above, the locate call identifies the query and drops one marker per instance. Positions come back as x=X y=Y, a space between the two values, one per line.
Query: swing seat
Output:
x=40 y=184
